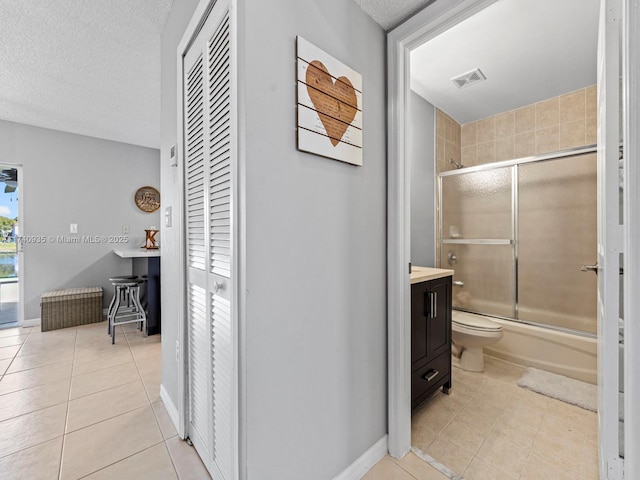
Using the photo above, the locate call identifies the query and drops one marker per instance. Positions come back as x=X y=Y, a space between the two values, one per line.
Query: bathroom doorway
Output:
x=432 y=22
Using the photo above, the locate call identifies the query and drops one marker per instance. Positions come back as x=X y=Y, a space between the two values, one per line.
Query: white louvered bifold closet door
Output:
x=209 y=170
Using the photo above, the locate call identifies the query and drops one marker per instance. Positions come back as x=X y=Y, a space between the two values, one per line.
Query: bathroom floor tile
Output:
x=12 y=382
x=33 y=399
x=387 y=469
x=504 y=432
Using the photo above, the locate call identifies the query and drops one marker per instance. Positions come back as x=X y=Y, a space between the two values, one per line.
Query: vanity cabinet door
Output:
x=439 y=319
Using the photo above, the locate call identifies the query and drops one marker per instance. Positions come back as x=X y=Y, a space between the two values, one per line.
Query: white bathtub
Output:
x=574 y=356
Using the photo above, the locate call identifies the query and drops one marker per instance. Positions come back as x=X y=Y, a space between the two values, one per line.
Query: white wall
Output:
x=316 y=253
x=316 y=248
x=172 y=311
x=71 y=178
x=421 y=157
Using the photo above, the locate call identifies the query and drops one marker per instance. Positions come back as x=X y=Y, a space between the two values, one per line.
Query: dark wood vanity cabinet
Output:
x=430 y=338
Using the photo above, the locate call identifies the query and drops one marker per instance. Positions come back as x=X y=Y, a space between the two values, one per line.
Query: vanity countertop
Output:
x=423 y=274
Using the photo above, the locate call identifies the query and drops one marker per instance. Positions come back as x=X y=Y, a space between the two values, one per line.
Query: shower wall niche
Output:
x=517 y=234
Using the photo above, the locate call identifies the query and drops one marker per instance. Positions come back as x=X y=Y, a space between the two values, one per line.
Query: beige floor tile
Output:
x=106 y=404
x=164 y=421
x=481 y=470
x=538 y=469
x=480 y=414
x=12 y=332
x=27 y=362
x=450 y=454
x=438 y=411
x=465 y=435
x=104 y=379
x=41 y=462
x=97 y=446
x=500 y=451
x=13 y=382
x=422 y=435
x=145 y=350
x=13 y=340
x=151 y=464
x=187 y=462
x=9 y=352
x=4 y=365
x=31 y=347
x=100 y=351
x=153 y=391
x=33 y=399
x=387 y=469
x=523 y=414
x=419 y=468
x=100 y=361
x=514 y=431
x=557 y=452
x=31 y=429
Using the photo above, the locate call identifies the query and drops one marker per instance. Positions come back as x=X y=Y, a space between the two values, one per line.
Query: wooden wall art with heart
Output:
x=329 y=105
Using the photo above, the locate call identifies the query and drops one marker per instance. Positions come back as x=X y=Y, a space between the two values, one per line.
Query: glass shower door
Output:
x=477 y=234
x=557 y=229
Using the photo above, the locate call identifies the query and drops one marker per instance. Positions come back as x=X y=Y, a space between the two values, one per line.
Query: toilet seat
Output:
x=475 y=323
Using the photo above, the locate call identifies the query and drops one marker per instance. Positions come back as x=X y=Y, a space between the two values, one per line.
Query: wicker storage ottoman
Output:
x=70 y=307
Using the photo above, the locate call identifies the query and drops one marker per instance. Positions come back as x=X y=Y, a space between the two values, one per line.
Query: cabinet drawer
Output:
x=427 y=379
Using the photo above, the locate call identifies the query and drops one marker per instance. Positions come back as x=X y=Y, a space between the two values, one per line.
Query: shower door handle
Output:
x=590 y=268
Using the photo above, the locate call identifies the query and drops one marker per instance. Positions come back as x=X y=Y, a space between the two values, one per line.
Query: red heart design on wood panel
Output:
x=335 y=102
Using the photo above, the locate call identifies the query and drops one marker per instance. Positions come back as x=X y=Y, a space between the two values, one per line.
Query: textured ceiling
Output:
x=391 y=13
x=529 y=50
x=86 y=67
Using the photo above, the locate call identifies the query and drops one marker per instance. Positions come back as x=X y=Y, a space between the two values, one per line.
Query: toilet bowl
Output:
x=470 y=334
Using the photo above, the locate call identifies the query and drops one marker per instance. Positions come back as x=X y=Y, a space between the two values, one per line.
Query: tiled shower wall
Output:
x=558 y=123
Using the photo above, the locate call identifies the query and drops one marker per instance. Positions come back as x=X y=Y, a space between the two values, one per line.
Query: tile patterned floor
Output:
x=491 y=429
x=74 y=406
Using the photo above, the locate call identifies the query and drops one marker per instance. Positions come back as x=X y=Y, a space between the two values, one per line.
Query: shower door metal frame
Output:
x=513 y=241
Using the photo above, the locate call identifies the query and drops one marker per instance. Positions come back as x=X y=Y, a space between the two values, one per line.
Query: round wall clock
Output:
x=147 y=199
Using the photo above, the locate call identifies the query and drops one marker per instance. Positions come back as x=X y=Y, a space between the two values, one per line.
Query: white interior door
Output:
x=610 y=236
x=209 y=167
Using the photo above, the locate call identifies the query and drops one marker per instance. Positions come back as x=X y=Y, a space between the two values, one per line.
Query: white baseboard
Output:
x=172 y=411
x=368 y=459
x=32 y=322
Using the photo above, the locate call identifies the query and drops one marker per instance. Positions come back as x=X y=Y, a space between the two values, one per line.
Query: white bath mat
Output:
x=562 y=388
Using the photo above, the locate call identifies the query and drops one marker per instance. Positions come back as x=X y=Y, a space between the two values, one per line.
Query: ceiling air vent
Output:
x=469 y=78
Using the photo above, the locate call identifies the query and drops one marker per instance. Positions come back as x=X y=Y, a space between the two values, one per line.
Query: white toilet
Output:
x=471 y=333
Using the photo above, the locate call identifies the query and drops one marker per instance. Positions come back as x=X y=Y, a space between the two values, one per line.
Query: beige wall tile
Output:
x=457 y=133
x=486 y=130
x=505 y=124
x=486 y=153
x=591 y=130
x=572 y=134
x=469 y=134
x=547 y=140
x=591 y=101
x=572 y=106
x=440 y=141
x=525 y=119
x=505 y=148
x=469 y=155
x=451 y=152
x=440 y=123
x=547 y=113
x=525 y=145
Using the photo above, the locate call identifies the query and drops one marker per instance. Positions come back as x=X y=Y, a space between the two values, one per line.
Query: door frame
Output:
x=434 y=19
x=428 y=23
x=238 y=229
